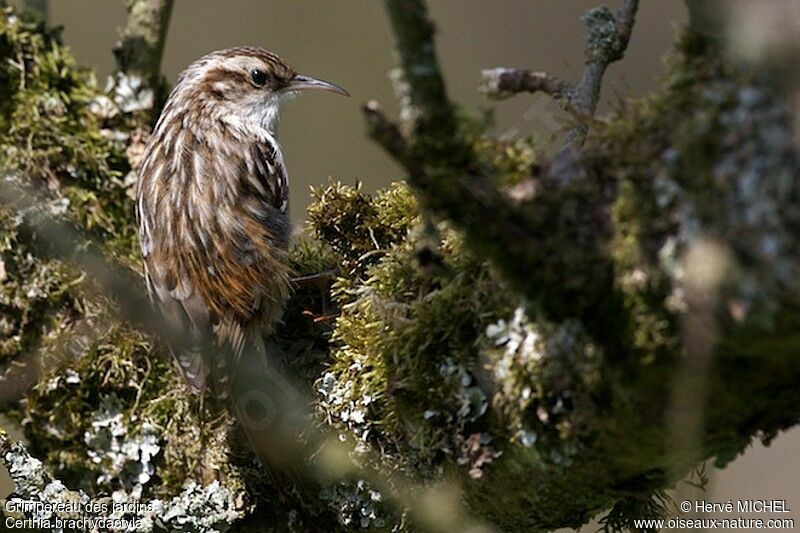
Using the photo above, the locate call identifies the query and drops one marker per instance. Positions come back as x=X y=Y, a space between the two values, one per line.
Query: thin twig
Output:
x=503 y=83
x=608 y=39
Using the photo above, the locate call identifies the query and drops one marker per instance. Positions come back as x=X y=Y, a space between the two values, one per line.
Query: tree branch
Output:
x=524 y=238
x=141 y=46
x=608 y=39
x=434 y=127
x=501 y=83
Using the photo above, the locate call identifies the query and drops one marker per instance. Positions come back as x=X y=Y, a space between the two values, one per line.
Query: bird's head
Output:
x=246 y=85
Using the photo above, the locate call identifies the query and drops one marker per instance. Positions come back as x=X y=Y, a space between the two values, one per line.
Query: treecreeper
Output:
x=212 y=209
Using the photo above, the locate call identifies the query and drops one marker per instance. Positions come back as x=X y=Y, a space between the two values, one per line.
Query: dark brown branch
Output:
x=503 y=83
x=141 y=46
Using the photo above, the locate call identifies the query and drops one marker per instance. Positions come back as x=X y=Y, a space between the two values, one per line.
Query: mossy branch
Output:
x=515 y=232
x=283 y=434
x=609 y=36
x=430 y=112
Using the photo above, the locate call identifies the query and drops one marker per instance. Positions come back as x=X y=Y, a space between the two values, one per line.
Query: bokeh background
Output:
x=348 y=42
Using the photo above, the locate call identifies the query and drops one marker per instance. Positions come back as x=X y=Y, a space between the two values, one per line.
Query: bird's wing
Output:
x=267 y=174
x=184 y=310
x=181 y=306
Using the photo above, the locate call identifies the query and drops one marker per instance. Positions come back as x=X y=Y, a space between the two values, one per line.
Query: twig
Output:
x=321 y=280
x=608 y=39
x=626 y=17
x=503 y=83
x=141 y=46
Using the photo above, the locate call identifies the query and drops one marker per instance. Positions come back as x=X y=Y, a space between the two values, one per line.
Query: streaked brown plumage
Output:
x=212 y=205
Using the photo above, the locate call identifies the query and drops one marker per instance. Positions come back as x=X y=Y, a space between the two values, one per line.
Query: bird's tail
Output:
x=271 y=412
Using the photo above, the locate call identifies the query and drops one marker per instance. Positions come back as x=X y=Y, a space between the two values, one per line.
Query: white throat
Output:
x=270 y=111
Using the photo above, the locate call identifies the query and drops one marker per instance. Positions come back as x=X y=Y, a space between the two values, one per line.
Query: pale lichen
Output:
x=201 y=509
x=356 y=505
x=604 y=44
x=545 y=376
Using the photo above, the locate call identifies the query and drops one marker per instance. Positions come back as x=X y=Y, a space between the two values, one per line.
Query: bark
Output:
x=141 y=46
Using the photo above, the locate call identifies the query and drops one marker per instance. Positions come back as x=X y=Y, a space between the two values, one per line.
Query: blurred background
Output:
x=349 y=43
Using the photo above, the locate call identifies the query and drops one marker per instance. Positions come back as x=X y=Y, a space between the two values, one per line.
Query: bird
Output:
x=212 y=208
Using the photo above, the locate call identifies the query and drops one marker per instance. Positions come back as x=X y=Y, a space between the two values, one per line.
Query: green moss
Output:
x=508 y=163
x=357 y=229
x=52 y=143
x=603 y=44
x=406 y=351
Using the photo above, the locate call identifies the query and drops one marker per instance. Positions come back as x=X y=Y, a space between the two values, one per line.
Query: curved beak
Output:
x=301 y=83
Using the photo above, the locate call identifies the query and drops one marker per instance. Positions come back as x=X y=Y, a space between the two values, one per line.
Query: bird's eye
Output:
x=258 y=77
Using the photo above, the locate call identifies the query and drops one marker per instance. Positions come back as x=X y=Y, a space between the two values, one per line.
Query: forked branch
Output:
x=521 y=234
x=608 y=38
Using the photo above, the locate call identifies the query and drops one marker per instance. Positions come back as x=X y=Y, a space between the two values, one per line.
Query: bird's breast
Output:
x=214 y=221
